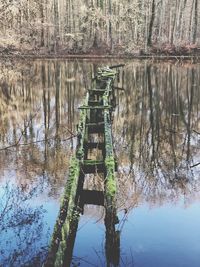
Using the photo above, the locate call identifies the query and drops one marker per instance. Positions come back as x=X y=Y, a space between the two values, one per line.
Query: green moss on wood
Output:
x=81 y=131
x=111 y=186
x=95 y=107
x=66 y=208
x=72 y=219
x=68 y=214
x=106 y=73
x=91 y=162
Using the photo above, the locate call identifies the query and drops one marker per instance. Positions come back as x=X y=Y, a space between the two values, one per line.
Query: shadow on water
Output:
x=156 y=131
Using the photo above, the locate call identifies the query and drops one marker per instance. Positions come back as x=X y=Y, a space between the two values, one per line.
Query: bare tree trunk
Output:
x=110 y=24
x=42 y=22
x=195 y=21
x=56 y=25
x=173 y=28
x=149 y=40
x=190 y=22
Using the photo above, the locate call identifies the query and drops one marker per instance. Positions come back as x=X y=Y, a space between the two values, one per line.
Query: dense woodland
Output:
x=99 y=26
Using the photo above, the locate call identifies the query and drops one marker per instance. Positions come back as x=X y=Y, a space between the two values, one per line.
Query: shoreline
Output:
x=195 y=57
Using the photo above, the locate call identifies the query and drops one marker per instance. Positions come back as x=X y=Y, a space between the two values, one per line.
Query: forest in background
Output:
x=128 y=27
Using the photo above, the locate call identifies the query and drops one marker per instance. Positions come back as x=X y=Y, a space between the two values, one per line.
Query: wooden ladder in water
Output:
x=95 y=119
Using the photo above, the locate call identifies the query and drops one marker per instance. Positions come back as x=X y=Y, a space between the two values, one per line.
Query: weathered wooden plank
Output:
x=116 y=66
x=110 y=183
x=93 y=166
x=81 y=131
x=61 y=247
x=68 y=206
x=95 y=107
x=66 y=210
x=98 y=90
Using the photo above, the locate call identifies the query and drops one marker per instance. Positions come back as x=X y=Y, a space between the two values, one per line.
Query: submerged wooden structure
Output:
x=95 y=122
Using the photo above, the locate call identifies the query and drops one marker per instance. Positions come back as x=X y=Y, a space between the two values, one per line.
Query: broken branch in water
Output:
x=196 y=131
x=35 y=142
x=116 y=66
x=118 y=88
x=195 y=165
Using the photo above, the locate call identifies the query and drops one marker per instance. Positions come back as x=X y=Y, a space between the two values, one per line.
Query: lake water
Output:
x=156 y=133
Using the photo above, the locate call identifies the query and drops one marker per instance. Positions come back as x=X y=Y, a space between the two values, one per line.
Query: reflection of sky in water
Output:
x=89 y=244
x=164 y=236
x=160 y=236
x=26 y=224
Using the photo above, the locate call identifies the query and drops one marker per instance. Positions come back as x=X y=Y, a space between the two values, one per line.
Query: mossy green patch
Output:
x=111 y=186
x=81 y=131
x=66 y=208
x=91 y=162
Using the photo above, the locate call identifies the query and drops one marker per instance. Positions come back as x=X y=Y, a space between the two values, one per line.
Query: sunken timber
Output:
x=95 y=119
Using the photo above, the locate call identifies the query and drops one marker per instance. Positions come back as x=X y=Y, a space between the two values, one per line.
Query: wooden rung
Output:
x=91 y=162
x=95 y=107
x=95 y=123
x=99 y=90
x=118 y=88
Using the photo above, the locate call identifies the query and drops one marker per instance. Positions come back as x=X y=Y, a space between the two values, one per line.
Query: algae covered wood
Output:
x=70 y=194
x=68 y=213
x=65 y=213
x=95 y=117
x=112 y=244
x=81 y=131
x=110 y=183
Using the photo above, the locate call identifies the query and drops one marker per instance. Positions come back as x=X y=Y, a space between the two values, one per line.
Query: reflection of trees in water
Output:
x=39 y=110
x=37 y=115
x=49 y=89
x=21 y=228
x=158 y=113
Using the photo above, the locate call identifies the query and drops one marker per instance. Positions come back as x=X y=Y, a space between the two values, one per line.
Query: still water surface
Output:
x=156 y=131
